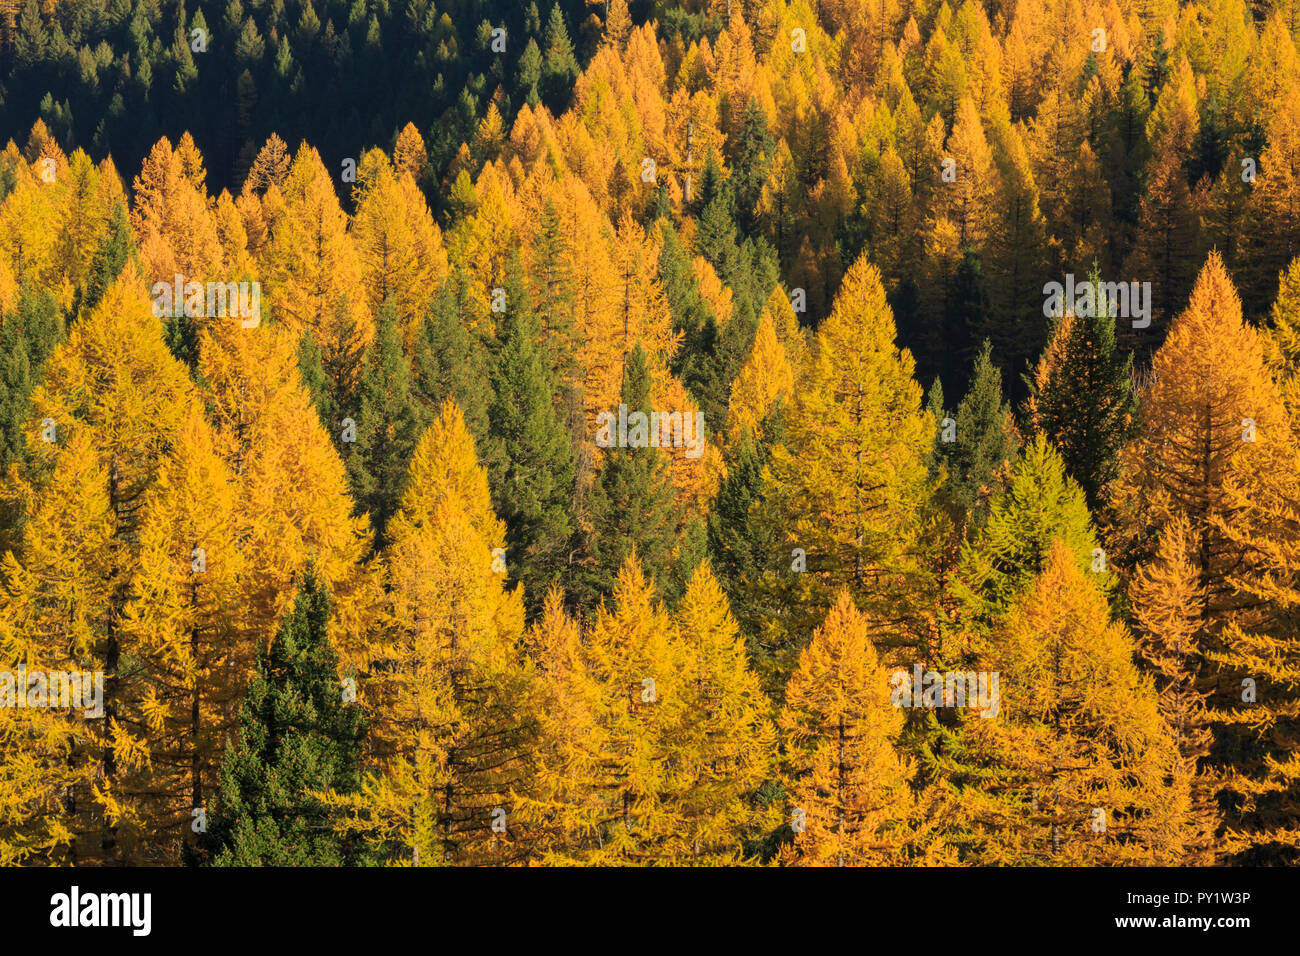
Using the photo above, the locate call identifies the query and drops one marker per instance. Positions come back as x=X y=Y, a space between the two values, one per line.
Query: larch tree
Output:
x=1275 y=198
x=1211 y=464
x=445 y=682
x=112 y=382
x=847 y=785
x=847 y=489
x=764 y=379
x=313 y=272
x=1163 y=596
x=729 y=739
x=55 y=596
x=638 y=658
x=1208 y=399
x=184 y=630
x=1076 y=762
x=397 y=241
x=172 y=222
x=293 y=504
x=562 y=808
x=967 y=200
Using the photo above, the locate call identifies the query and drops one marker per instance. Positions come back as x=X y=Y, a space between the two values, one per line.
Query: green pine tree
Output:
x=536 y=488
x=700 y=363
x=1039 y=505
x=632 y=507
x=741 y=547
x=298 y=738
x=451 y=361
x=986 y=441
x=311 y=367
x=389 y=422
x=559 y=66
x=27 y=337
x=1081 y=396
x=111 y=256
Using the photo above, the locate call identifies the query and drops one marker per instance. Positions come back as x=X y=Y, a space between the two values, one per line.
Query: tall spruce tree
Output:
x=27 y=337
x=986 y=441
x=1040 y=505
x=451 y=361
x=298 y=738
x=115 y=249
x=389 y=422
x=535 y=493
x=632 y=507
x=1081 y=396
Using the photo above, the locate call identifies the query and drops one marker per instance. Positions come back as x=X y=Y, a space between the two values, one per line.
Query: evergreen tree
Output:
x=559 y=65
x=110 y=257
x=320 y=389
x=299 y=737
x=389 y=422
x=27 y=337
x=749 y=154
x=699 y=362
x=738 y=545
x=981 y=457
x=451 y=362
x=1081 y=396
x=536 y=490
x=1039 y=505
x=632 y=508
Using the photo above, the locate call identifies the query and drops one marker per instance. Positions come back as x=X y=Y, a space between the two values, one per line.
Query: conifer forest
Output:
x=650 y=432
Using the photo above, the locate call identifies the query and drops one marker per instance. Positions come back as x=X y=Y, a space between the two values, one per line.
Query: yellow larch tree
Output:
x=171 y=218
x=728 y=740
x=1077 y=767
x=448 y=689
x=764 y=379
x=793 y=339
x=292 y=503
x=845 y=495
x=29 y=246
x=398 y=242
x=642 y=665
x=561 y=808
x=966 y=197
x=312 y=271
x=55 y=595
x=1213 y=430
x=113 y=387
x=184 y=629
x=409 y=153
x=1163 y=593
x=846 y=784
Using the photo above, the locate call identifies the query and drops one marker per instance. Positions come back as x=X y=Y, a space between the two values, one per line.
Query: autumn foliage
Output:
x=652 y=454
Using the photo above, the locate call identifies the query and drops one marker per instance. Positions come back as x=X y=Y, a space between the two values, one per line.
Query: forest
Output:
x=625 y=433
